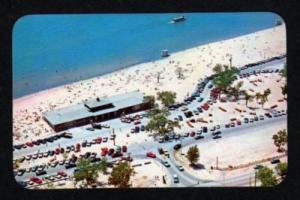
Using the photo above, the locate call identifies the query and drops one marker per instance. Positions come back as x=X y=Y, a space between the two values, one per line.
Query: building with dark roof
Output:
x=96 y=110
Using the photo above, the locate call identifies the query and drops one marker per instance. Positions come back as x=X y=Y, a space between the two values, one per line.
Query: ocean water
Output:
x=51 y=50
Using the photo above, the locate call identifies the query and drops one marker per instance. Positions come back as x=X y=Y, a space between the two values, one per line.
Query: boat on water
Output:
x=178 y=19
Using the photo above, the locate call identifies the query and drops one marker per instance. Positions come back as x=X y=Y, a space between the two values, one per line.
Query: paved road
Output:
x=81 y=134
x=226 y=133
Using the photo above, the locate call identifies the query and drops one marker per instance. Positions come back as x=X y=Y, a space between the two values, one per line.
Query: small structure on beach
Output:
x=164 y=53
x=96 y=110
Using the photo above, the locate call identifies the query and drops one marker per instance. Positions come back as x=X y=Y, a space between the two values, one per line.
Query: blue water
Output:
x=51 y=50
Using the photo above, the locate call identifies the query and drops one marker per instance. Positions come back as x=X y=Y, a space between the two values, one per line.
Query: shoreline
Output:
x=196 y=63
x=131 y=66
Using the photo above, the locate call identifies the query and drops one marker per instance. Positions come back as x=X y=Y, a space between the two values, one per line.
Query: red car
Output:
x=150 y=154
x=77 y=147
x=98 y=140
x=205 y=106
x=36 y=180
x=104 y=151
x=57 y=150
x=124 y=148
x=29 y=144
x=238 y=122
x=63 y=174
x=192 y=134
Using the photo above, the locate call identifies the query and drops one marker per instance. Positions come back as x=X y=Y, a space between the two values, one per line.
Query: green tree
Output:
x=120 y=175
x=88 y=171
x=281 y=169
x=193 y=154
x=280 y=139
x=167 y=98
x=266 y=177
x=218 y=68
x=224 y=76
x=159 y=123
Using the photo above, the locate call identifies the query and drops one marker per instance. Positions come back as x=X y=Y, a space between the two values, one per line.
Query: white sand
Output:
x=196 y=63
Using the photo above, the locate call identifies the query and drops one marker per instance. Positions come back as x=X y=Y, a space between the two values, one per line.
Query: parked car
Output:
x=116 y=154
x=29 y=144
x=192 y=134
x=275 y=160
x=258 y=166
x=217 y=137
x=204 y=129
x=246 y=120
x=61 y=162
x=36 y=180
x=180 y=118
x=28 y=157
x=142 y=127
x=177 y=146
x=87 y=154
x=110 y=151
x=200 y=99
x=70 y=165
x=137 y=129
x=98 y=140
x=216 y=133
x=198 y=137
x=35 y=156
x=83 y=144
x=104 y=139
x=124 y=148
x=40 y=172
x=180 y=168
x=175 y=178
x=104 y=151
x=150 y=154
x=160 y=150
x=268 y=115
x=165 y=163
x=21 y=172
x=34 y=168
x=45 y=154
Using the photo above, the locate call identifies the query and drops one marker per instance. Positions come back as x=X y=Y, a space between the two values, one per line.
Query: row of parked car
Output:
x=43 y=141
x=35 y=180
x=263 y=62
x=196 y=94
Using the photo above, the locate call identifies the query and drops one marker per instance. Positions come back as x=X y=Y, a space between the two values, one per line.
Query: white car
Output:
x=175 y=178
x=180 y=168
x=184 y=109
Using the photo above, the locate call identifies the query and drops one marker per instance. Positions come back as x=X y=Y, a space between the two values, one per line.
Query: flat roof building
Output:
x=96 y=110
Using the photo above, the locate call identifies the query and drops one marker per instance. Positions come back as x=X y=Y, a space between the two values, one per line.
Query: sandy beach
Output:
x=196 y=64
